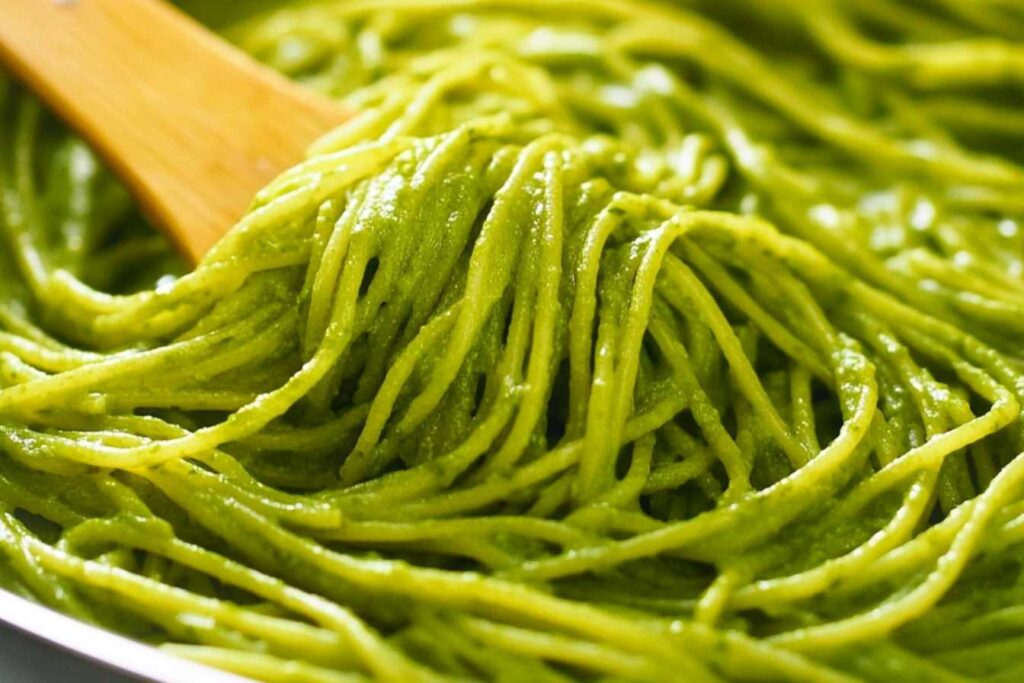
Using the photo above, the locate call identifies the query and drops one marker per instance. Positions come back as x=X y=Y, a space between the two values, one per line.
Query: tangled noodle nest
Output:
x=611 y=340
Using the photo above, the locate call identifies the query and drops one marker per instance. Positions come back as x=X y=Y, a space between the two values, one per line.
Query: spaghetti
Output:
x=611 y=341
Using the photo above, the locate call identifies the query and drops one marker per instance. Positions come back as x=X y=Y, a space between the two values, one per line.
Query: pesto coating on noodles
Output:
x=612 y=340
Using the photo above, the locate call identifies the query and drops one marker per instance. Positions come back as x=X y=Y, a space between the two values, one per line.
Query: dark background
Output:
x=23 y=659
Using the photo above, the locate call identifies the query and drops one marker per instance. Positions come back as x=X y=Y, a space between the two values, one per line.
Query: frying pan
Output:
x=38 y=645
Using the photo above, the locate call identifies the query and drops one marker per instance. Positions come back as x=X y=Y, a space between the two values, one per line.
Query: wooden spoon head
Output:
x=192 y=126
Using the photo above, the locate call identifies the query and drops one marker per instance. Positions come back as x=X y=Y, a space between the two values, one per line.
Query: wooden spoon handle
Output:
x=193 y=126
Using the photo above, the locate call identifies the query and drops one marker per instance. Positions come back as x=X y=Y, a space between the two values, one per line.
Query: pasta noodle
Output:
x=612 y=340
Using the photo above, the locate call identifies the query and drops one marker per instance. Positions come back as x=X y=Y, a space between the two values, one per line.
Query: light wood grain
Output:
x=193 y=127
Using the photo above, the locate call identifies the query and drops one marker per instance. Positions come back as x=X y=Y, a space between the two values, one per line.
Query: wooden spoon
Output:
x=192 y=126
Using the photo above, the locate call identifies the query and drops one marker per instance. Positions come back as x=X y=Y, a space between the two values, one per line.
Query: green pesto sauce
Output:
x=611 y=341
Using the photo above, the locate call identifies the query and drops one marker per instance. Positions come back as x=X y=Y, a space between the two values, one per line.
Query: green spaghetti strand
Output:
x=610 y=340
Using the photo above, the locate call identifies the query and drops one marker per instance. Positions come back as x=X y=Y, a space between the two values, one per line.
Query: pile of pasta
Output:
x=610 y=341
